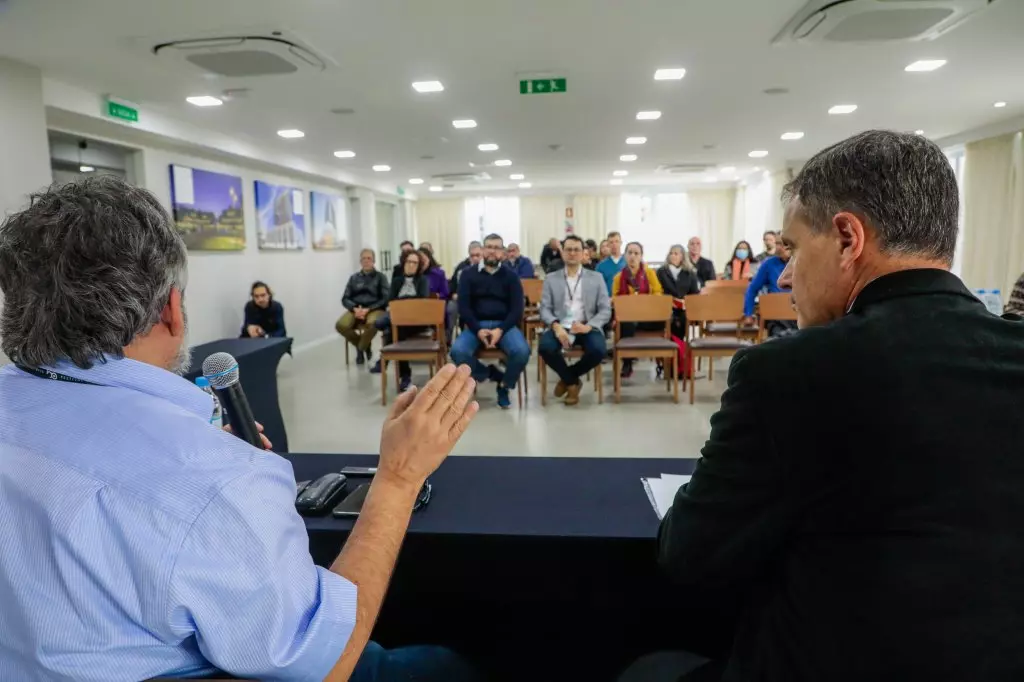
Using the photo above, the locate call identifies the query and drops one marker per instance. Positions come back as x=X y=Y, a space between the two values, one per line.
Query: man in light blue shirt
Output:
x=137 y=540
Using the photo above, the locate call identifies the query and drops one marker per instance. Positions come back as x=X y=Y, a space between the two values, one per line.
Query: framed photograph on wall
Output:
x=207 y=209
x=329 y=216
x=280 y=217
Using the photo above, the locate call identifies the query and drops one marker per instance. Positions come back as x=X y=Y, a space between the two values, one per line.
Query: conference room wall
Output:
x=308 y=283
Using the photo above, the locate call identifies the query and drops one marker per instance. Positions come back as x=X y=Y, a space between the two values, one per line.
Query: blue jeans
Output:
x=594 y=350
x=411 y=664
x=512 y=344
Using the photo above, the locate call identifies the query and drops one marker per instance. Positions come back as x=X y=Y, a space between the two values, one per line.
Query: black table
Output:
x=257 y=367
x=536 y=568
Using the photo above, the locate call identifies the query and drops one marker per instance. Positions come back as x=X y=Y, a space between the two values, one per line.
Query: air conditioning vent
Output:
x=461 y=178
x=874 y=21
x=247 y=56
x=684 y=168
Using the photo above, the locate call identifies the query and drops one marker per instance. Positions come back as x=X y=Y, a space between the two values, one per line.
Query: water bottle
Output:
x=217 y=418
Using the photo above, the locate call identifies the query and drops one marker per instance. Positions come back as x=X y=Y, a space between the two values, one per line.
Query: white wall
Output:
x=24 y=149
x=308 y=283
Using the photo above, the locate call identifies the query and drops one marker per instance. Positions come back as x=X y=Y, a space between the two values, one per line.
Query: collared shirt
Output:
x=137 y=540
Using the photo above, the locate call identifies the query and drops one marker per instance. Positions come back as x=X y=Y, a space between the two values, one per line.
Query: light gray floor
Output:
x=329 y=407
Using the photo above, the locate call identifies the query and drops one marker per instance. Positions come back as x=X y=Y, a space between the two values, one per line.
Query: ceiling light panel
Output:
x=758 y=154
x=620 y=173
x=204 y=101
x=516 y=176
x=999 y=105
x=428 y=86
x=627 y=157
x=291 y=133
x=502 y=162
x=436 y=188
x=525 y=185
x=415 y=181
x=669 y=74
x=464 y=123
x=925 y=65
x=636 y=140
x=792 y=136
x=487 y=147
x=382 y=168
x=843 y=109
x=345 y=154
x=648 y=115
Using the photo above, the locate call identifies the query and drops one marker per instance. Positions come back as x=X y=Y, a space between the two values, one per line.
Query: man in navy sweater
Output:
x=491 y=307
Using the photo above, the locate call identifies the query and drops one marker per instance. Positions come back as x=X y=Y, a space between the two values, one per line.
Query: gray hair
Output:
x=474 y=245
x=85 y=269
x=900 y=184
x=687 y=264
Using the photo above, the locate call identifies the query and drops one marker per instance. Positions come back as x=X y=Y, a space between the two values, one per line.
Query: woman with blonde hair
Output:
x=678 y=278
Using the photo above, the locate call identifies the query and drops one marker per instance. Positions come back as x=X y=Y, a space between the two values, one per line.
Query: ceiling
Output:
x=607 y=49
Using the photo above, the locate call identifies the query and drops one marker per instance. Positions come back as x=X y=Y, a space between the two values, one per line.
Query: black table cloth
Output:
x=536 y=568
x=257 y=367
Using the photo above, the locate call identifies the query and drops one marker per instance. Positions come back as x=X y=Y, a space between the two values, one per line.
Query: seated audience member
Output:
x=551 y=251
x=491 y=308
x=436 y=279
x=588 y=260
x=591 y=246
x=412 y=283
x=613 y=263
x=452 y=309
x=678 y=279
x=263 y=315
x=741 y=265
x=704 y=267
x=428 y=246
x=604 y=250
x=769 y=239
x=636 y=279
x=870 y=541
x=405 y=247
x=365 y=297
x=519 y=264
x=453 y=283
x=575 y=306
x=767 y=280
x=137 y=541
x=1015 y=305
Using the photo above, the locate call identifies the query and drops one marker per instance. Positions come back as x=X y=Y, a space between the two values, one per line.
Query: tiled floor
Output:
x=329 y=407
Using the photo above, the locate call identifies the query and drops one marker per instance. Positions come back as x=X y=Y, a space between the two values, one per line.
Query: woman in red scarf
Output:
x=742 y=264
x=636 y=279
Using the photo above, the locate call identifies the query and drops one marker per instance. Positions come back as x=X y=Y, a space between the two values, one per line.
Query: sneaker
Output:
x=360 y=358
x=627 y=369
x=503 y=399
x=404 y=384
x=376 y=367
x=495 y=374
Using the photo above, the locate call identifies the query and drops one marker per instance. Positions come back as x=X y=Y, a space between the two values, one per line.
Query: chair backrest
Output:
x=643 y=308
x=416 y=312
x=533 y=289
x=713 y=308
x=725 y=286
x=776 y=306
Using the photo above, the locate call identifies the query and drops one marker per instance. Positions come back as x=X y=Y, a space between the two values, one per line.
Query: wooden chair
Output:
x=773 y=307
x=571 y=354
x=646 y=308
x=498 y=355
x=533 y=289
x=702 y=309
x=413 y=312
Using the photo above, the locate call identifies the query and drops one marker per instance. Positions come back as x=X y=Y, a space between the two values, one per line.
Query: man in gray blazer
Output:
x=575 y=306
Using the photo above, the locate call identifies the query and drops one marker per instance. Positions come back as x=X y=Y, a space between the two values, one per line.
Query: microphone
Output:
x=221 y=370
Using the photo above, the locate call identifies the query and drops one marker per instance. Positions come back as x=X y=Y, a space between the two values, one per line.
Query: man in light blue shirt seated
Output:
x=614 y=263
x=137 y=540
x=766 y=279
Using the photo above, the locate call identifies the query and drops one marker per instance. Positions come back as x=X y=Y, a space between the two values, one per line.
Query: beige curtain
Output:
x=711 y=219
x=993 y=255
x=540 y=219
x=439 y=221
x=596 y=215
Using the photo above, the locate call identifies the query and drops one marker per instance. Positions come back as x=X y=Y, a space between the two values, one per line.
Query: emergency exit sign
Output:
x=122 y=111
x=538 y=86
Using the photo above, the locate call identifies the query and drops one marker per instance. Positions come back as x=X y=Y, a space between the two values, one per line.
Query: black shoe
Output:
x=376 y=367
x=495 y=374
x=404 y=384
x=627 y=369
x=360 y=358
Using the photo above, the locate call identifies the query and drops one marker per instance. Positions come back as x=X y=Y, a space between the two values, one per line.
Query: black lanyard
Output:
x=53 y=376
x=572 y=292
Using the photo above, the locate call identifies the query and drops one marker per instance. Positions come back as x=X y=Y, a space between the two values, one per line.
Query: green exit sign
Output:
x=122 y=111
x=538 y=86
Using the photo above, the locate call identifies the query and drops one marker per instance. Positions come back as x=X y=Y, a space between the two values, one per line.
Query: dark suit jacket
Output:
x=858 y=512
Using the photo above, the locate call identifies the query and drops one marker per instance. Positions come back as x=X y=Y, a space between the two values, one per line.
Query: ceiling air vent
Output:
x=246 y=56
x=873 y=21
x=684 y=168
x=460 y=178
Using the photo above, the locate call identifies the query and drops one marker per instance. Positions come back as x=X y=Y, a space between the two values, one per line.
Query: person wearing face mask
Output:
x=741 y=265
x=678 y=279
x=636 y=279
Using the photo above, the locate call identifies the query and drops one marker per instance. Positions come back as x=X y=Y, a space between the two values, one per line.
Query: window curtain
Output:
x=993 y=248
x=711 y=219
x=440 y=223
x=596 y=215
x=541 y=218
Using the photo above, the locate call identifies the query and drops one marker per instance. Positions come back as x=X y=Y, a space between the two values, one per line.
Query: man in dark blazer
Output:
x=879 y=534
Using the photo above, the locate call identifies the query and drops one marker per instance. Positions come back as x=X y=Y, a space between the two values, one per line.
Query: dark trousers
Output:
x=409 y=664
x=593 y=346
x=672 y=666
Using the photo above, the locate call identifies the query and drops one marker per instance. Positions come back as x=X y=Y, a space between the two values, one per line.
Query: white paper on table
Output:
x=662 y=491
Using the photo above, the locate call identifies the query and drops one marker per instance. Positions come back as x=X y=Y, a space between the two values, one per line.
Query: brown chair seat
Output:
x=730 y=327
x=645 y=343
x=414 y=345
x=719 y=343
x=532 y=318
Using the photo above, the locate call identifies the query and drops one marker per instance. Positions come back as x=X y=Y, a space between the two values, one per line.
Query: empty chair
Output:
x=701 y=309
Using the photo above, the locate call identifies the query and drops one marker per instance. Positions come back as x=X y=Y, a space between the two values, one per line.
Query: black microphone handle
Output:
x=243 y=424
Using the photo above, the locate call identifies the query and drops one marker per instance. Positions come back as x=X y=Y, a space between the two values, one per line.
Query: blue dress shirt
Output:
x=137 y=540
x=766 y=277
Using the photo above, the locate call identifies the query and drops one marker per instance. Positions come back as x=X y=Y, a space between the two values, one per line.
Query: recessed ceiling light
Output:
x=86 y=169
x=925 y=65
x=711 y=179
x=487 y=147
x=464 y=123
x=427 y=86
x=728 y=169
x=758 y=154
x=843 y=109
x=636 y=140
x=436 y=188
x=516 y=176
x=204 y=101
x=648 y=115
x=792 y=136
x=620 y=173
x=525 y=185
x=673 y=74
x=615 y=182
x=382 y=168
x=291 y=133
x=999 y=105
x=502 y=162
x=919 y=132
x=345 y=154
x=756 y=168
x=415 y=181
x=627 y=157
